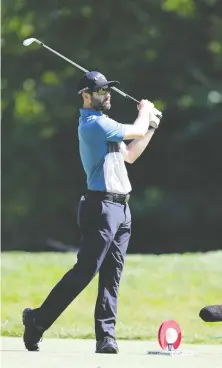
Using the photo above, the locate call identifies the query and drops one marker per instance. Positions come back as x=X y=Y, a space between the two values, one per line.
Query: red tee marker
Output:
x=169 y=335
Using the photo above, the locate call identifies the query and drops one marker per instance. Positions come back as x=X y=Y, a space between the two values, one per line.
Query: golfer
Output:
x=103 y=215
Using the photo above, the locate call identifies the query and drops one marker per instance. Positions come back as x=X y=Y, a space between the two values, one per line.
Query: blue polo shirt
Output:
x=99 y=146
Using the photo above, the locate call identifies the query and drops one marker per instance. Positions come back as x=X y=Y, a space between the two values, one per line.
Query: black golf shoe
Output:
x=32 y=333
x=107 y=346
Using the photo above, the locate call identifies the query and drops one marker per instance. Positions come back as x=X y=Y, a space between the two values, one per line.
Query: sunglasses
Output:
x=103 y=91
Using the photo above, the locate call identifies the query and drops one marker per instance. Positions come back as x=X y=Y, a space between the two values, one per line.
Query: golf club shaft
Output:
x=156 y=112
x=63 y=57
x=126 y=95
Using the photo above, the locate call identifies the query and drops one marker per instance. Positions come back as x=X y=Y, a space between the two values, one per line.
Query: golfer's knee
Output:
x=86 y=270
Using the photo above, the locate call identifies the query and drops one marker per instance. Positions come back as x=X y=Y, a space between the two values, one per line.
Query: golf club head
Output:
x=29 y=41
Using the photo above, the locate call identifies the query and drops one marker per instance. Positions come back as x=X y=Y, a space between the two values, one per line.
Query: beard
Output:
x=100 y=103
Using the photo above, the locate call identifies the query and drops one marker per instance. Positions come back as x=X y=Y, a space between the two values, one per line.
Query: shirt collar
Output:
x=87 y=112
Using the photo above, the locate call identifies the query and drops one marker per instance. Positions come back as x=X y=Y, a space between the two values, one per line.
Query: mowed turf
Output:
x=76 y=353
x=153 y=289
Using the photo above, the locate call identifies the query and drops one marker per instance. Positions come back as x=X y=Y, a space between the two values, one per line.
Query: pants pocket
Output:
x=89 y=215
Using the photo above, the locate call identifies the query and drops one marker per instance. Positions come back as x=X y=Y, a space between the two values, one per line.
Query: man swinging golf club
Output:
x=103 y=214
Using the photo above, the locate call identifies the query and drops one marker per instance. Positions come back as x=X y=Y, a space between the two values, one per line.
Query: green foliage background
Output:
x=169 y=51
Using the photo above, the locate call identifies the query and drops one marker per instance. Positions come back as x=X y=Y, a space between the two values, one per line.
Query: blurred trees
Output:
x=169 y=51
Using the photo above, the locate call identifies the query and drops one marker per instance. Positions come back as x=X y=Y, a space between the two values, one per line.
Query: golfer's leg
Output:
x=95 y=243
x=109 y=280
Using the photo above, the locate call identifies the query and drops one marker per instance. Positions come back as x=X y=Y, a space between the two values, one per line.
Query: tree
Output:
x=169 y=51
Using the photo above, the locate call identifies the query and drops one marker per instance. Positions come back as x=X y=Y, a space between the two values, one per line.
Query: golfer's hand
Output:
x=145 y=107
x=154 y=121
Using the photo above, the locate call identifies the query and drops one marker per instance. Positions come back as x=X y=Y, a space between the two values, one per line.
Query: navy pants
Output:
x=106 y=229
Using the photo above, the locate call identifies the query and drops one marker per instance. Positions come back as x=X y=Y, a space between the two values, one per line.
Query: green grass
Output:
x=153 y=289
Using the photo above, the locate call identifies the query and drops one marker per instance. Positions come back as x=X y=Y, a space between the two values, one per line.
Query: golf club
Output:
x=29 y=41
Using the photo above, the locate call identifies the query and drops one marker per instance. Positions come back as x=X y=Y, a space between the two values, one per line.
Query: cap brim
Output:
x=108 y=83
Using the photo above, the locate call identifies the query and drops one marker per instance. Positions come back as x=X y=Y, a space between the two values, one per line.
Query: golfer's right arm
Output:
x=141 y=124
x=110 y=130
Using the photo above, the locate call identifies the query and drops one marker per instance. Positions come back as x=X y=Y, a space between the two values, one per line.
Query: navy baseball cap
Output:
x=93 y=81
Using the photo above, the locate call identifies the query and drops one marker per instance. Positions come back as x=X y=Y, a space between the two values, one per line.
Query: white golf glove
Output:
x=154 y=120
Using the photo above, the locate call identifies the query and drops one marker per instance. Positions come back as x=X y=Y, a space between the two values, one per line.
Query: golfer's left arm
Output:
x=134 y=149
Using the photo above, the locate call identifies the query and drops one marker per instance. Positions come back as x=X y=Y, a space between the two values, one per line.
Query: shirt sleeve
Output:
x=110 y=130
